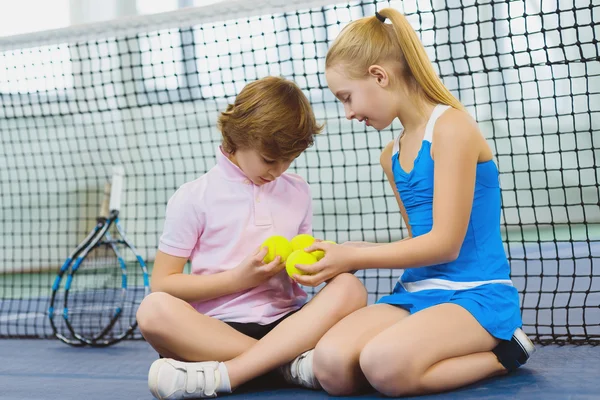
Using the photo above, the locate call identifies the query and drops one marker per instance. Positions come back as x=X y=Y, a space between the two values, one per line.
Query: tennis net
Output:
x=145 y=93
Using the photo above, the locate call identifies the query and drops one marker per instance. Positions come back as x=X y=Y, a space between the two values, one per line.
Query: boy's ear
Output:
x=380 y=75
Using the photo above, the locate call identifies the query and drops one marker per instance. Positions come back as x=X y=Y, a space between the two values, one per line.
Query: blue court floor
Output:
x=49 y=369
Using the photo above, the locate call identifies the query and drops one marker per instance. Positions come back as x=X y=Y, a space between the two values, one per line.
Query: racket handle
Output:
x=116 y=188
x=104 y=208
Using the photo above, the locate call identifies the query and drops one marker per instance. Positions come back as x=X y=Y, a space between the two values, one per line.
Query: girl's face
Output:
x=366 y=100
x=259 y=168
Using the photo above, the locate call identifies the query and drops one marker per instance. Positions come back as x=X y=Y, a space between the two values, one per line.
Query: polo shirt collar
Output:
x=231 y=171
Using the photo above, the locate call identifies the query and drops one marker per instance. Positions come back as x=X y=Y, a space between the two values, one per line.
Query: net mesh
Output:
x=145 y=93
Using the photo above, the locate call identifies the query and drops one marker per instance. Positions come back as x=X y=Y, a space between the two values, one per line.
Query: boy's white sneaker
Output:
x=170 y=379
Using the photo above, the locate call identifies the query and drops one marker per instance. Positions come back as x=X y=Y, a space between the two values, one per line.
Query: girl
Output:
x=453 y=318
x=235 y=318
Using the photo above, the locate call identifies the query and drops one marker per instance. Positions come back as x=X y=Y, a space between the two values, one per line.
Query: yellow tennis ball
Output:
x=298 y=257
x=302 y=241
x=320 y=253
x=278 y=246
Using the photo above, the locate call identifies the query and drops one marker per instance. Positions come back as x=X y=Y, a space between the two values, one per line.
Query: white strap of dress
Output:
x=437 y=111
x=397 y=144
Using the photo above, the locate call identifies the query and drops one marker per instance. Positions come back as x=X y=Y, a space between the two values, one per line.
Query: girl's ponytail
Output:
x=417 y=61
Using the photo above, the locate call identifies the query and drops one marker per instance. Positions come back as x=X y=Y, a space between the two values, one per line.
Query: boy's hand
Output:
x=252 y=271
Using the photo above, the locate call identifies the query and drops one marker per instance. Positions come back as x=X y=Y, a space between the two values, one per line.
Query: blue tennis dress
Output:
x=478 y=280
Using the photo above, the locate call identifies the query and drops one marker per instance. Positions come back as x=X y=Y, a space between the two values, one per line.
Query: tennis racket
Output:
x=106 y=280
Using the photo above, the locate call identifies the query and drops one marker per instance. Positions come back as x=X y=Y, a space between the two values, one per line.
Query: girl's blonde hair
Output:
x=369 y=41
x=270 y=115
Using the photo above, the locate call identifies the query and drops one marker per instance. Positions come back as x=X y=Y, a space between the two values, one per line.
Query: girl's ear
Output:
x=380 y=75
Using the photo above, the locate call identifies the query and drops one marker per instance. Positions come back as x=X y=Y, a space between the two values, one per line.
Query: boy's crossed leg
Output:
x=176 y=330
x=247 y=358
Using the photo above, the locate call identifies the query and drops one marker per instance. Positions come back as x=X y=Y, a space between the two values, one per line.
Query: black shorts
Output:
x=257 y=331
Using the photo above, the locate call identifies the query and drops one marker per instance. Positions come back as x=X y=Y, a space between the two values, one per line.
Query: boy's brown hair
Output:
x=271 y=115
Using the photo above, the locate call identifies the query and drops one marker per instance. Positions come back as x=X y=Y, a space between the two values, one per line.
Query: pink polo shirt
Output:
x=220 y=218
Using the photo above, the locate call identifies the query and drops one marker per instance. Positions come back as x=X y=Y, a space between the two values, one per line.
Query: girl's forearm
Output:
x=367 y=244
x=419 y=251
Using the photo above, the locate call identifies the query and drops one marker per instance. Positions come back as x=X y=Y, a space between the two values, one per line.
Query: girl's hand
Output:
x=253 y=271
x=338 y=259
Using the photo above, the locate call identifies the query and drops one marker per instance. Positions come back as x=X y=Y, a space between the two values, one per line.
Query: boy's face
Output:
x=363 y=99
x=259 y=168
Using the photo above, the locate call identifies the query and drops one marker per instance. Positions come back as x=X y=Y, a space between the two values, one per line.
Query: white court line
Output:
x=32 y=315
x=16 y=317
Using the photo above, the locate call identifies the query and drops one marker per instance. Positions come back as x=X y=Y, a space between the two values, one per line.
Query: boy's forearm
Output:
x=190 y=287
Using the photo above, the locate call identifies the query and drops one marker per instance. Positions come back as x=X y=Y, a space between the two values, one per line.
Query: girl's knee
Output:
x=391 y=377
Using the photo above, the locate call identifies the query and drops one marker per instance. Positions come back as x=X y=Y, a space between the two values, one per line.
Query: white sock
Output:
x=305 y=369
x=223 y=383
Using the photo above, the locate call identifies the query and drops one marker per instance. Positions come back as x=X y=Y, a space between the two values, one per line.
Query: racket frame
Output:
x=99 y=236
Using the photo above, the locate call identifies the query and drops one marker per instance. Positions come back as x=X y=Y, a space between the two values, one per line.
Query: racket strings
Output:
x=96 y=292
x=107 y=290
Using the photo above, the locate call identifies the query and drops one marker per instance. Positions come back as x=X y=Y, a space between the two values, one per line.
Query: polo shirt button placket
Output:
x=262 y=214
